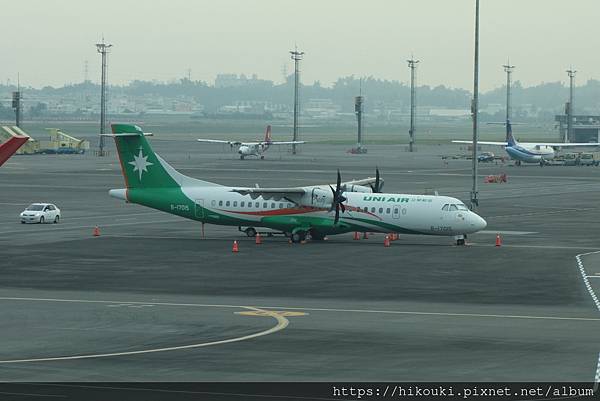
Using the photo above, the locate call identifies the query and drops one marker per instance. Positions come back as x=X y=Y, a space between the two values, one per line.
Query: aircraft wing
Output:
x=283 y=143
x=483 y=143
x=363 y=182
x=220 y=141
x=561 y=144
x=11 y=146
x=292 y=194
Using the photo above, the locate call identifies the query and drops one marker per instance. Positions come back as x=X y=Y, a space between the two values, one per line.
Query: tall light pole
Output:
x=103 y=49
x=475 y=109
x=16 y=103
x=296 y=56
x=412 y=64
x=508 y=69
x=569 y=136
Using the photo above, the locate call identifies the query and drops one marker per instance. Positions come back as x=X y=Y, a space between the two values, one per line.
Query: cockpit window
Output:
x=453 y=208
x=445 y=207
x=462 y=207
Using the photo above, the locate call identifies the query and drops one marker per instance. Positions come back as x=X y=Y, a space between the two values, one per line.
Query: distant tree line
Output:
x=547 y=98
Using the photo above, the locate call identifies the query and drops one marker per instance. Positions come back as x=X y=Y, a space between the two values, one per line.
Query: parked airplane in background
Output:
x=298 y=211
x=528 y=152
x=253 y=148
x=9 y=147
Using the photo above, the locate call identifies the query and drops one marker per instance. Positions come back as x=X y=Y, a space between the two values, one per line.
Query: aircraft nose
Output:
x=479 y=222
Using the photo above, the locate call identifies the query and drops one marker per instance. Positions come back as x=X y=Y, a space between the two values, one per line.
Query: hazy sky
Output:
x=48 y=41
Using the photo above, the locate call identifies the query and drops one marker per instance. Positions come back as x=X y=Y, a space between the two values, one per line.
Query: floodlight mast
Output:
x=103 y=48
x=569 y=137
x=475 y=109
x=412 y=64
x=296 y=56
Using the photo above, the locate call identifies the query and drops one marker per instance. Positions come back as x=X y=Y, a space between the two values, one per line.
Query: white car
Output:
x=41 y=213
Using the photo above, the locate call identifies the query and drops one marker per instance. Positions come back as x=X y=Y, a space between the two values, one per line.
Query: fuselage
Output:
x=252 y=149
x=402 y=213
x=530 y=154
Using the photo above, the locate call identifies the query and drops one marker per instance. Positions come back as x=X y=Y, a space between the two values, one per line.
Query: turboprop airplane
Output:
x=9 y=147
x=529 y=152
x=253 y=148
x=314 y=211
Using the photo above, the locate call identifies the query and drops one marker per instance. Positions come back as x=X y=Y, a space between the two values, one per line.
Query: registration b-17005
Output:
x=315 y=211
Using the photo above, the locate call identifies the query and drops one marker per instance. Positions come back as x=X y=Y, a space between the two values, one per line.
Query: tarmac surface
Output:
x=151 y=300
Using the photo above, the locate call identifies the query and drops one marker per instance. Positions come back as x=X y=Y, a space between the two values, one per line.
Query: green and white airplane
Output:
x=298 y=211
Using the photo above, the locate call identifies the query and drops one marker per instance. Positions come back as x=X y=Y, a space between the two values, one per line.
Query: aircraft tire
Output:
x=298 y=237
x=250 y=232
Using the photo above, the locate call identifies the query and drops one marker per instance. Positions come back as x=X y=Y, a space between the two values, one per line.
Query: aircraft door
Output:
x=396 y=212
x=199 y=206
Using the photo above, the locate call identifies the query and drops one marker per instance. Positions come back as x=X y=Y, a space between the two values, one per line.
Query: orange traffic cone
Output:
x=386 y=241
x=96 y=231
x=498 y=240
x=258 y=240
x=356 y=236
x=365 y=235
x=235 y=247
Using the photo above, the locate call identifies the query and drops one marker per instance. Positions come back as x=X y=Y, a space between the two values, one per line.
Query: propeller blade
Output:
x=337 y=214
x=343 y=208
x=377 y=180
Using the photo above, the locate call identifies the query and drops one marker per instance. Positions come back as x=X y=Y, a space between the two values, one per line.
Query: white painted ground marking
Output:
x=507 y=232
x=282 y=323
x=596 y=302
x=597 y=377
x=585 y=277
x=270 y=308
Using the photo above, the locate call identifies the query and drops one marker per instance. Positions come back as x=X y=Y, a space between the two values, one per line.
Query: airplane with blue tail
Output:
x=529 y=152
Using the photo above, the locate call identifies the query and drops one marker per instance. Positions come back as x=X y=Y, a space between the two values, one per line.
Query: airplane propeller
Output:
x=338 y=199
x=378 y=184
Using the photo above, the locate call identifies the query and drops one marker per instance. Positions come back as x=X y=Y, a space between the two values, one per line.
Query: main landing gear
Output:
x=298 y=236
x=461 y=239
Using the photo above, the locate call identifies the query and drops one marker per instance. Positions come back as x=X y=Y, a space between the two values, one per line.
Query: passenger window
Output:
x=234 y=203
x=387 y=210
x=281 y=205
x=249 y=205
x=227 y=203
x=372 y=210
x=272 y=205
x=366 y=209
x=214 y=203
x=289 y=205
x=242 y=203
x=445 y=207
x=380 y=210
x=453 y=208
x=265 y=205
x=220 y=203
x=257 y=205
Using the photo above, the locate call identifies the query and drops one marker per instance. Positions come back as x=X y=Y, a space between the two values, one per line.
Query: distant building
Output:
x=320 y=109
x=233 y=80
x=586 y=128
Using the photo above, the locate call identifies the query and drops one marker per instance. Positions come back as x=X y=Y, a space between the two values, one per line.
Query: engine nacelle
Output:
x=357 y=188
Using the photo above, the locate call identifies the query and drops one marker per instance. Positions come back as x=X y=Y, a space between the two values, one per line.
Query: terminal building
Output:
x=586 y=128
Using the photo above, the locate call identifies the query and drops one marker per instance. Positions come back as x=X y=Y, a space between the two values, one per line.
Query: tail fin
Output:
x=141 y=167
x=11 y=146
x=268 y=134
x=510 y=140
